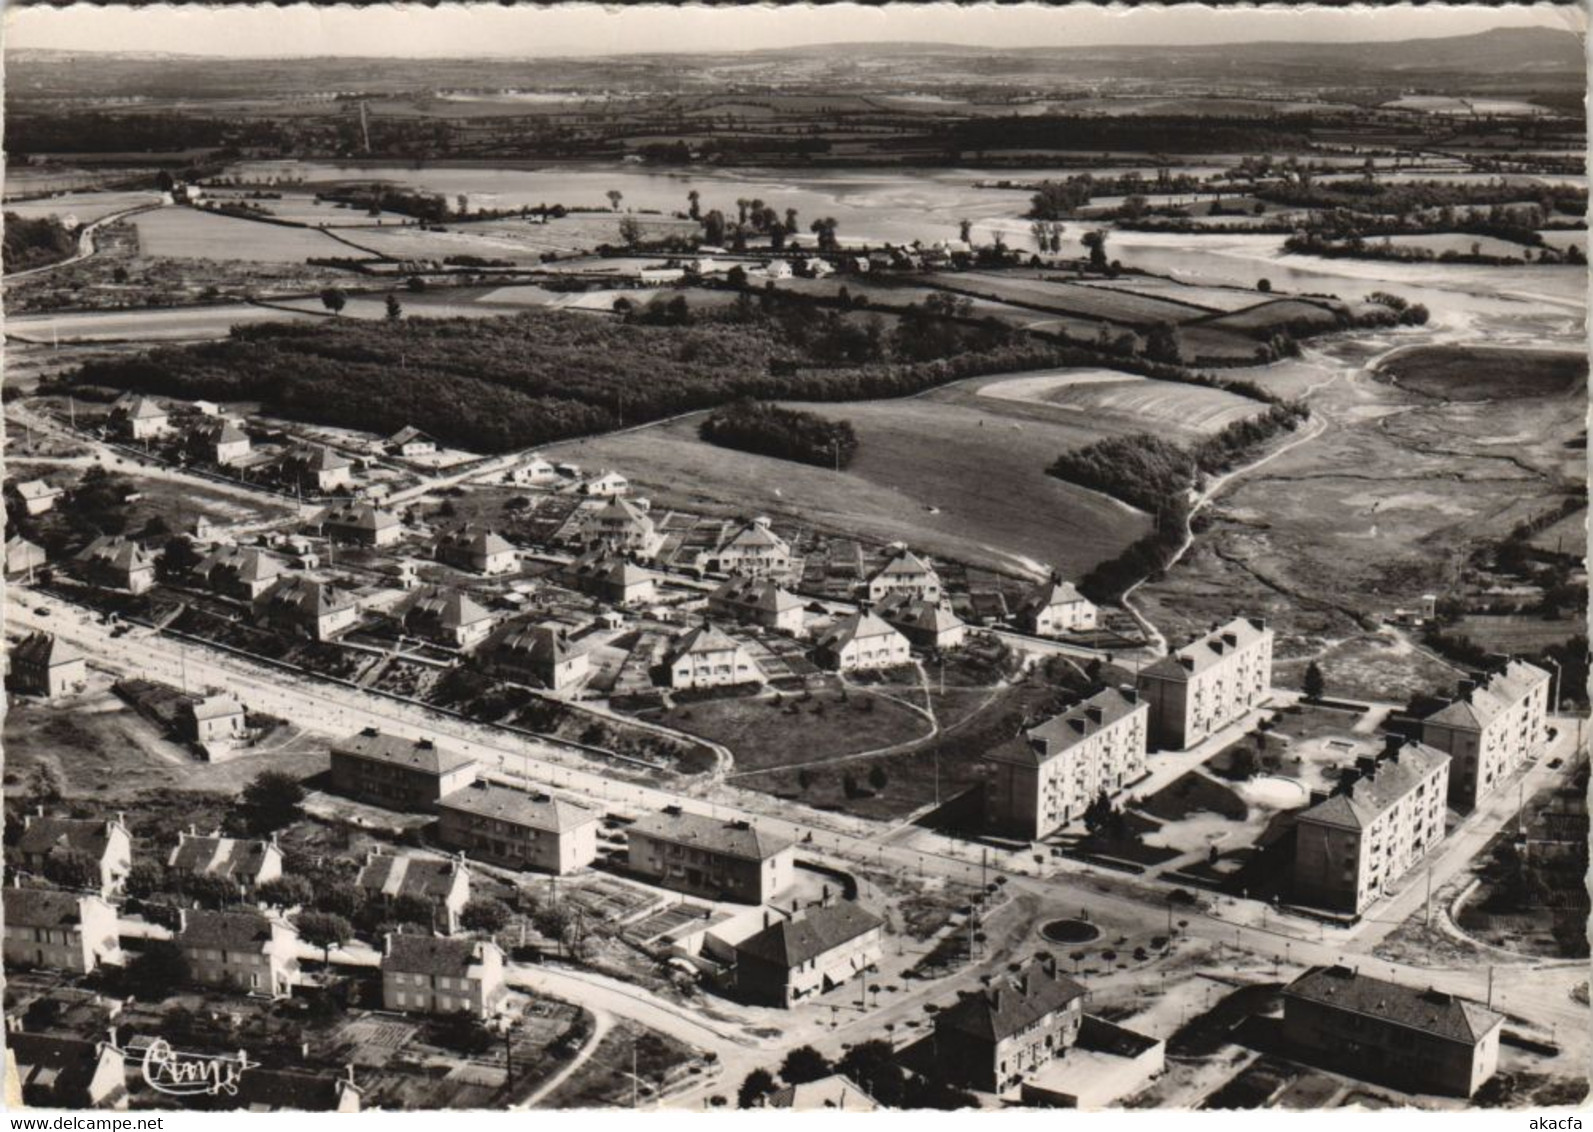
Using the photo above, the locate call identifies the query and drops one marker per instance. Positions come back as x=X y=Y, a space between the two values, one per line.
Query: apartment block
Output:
x=1204 y=686
x=1496 y=724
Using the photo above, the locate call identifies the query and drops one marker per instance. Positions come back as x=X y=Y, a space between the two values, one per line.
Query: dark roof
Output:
x=472 y=540
x=811 y=934
x=44 y=650
x=904 y=611
x=359 y=516
x=308 y=597
x=1200 y=655
x=117 y=552
x=705 y=638
x=729 y=838
x=416 y=754
x=430 y=955
x=426 y=877
x=446 y=609
x=852 y=627
x=1010 y=1004
x=1048 y=593
x=63 y=1066
x=1359 y=802
x=1061 y=732
x=756 y=593
x=232 y=931
x=219 y=856
x=1433 y=1012
x=43 y=908
x=534 y=811
x=86 y=835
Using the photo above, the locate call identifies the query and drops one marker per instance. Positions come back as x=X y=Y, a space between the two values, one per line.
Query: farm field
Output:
x=1461 y=243
x=1070 y=298
x=174 y=324
x=1477 y=373
x=186 y=233
x=1563 y=239
x=87 y=207
x=1264 y=316
x=910 y=480
x=1152 y=405
x=303 y=208
x=410 y=242
x=1223 y=299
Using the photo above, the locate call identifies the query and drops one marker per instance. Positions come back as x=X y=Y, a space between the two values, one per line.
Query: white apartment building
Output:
x=1208 y=684
x=1496 y=724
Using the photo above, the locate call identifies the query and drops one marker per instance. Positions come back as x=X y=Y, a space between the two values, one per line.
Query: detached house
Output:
x=23 y=557
x=67 y=931
x=447 y=617
x=904 y=572
x=317 y=610
x=409 y=442
x=707 y=657
x=925 y=624
x=752 y=600
x=605 y=485
x=611 y=578
x=442 y=976
x=361 y=523
x=990 y=1039
x=215 y=719
x=861 y=641
x=244 y=950
x=219 y=442
x=316 y=468
x=42 y=665
x=1203 y=687
x=37 y=496
x=57 y=1072
x=753 y=550
x=243 y=573
x=622 y=525
x=107 y=843
x=443 y=885
x=480 y=551
x=114 y=562
x=812 y=951
x=542 y=653
x=704 y=856
x=136 y=417
x=518 y=829
x=1055 y=608
x=247 y=863
x=403 y=774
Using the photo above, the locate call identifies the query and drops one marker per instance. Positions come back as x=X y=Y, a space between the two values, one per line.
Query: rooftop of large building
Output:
x=1196 y=657
x=1380 y=783
x=698 y=831
x=518 y=807
x=1433 y=1012
x=1013 y=1002
x=415 y=754
x=1485 y=697
x=1058 y=734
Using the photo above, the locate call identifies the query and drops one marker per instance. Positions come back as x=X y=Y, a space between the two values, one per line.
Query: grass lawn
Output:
x=1192 y=793
x=1474 y=373
x=1519 y=633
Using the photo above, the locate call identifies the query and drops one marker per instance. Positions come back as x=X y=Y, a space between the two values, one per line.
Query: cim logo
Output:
x=179 y=1074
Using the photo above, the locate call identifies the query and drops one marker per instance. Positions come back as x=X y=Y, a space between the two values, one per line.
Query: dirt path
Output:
x=602 y=1023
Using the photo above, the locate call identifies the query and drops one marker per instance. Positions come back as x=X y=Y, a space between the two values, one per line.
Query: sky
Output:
x=457 y=31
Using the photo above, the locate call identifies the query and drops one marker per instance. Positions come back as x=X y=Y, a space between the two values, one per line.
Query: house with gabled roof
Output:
x=1372 y=829
x=67 y=931
x=750 y=600
x=1497 y=723
x=751 y=550
x=1049 y=776
x=51 y=1071
x=315 y=467
x=441 y=883
x=402 y=774
x=836 y=1092
x=1418 y=1040
x=219 y=442
x=37 y=496
x=623 y=525
x=244 y=949
x=116 y=562
x=605 y=484
x=519 y=829
x=925 y=624
x=709 y=857
x=1055 y=608
x=708 y=657
x=448 y=617
x=23 y=557
x=442 y=976
x=243 y=573
x=861 y=641
x=1208 y=684
x=904 y=572
x=542 y=653
x=300 y=605
x=107 y=843
x=611 y=578
x=44 y=665
x=801 y=955
x=994 y=1037
x=409 y=442
x=137 y=417
x=214 y=721
x=481 y=550
x=362 y=523
x=247 y=862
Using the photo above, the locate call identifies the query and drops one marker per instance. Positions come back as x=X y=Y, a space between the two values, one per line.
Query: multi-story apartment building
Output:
x=247 y=863
x=45 y=840
x=708 y=657
x=402 y=774
x=1496 y=724
x=442 y=976
x=441 y=883
x=518 y=829
x=757 y=601
x=990 y=1039
x=704 y=856
x=1419 y=1041
x=244 y=950
x=1204 y=686
x=1371 y=829
x=1054 y=608
x=1049 y=777
x=808 y=952
x=44 y=665
x=68 y=931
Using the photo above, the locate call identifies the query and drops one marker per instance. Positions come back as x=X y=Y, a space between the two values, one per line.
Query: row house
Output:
x=478 y=550
x=305 y=607
x=46 y=841
x=243 y=573
x=447 y=617
x=1205 y=686
x=65 y=931
x=861 y=641
x=115 y=562
x=611 y=578
x=1376 y=826
x=809 y=952
x=442 y=884
x=707 y=857
x=1419 y=1041
x=1496 y=724
x=246 y=862
x=992 y=1038
x=1049 y=777
x=246 y=950
x=753 y=551
x=925 y=624
x=904 y=572
x=749 y=600
x=542 y=653
x=708 y=657
x=519 y=829
x=401 y=774
x=44 y=665
x=426 y=975
x=1055 y=608
x=363 y=524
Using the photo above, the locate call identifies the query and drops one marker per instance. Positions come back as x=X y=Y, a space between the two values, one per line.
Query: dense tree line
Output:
x=1143 y=470
x=1139 y=133
x=34 y=243
x=1400 y=198
x=1056 y=200
x=789 y=434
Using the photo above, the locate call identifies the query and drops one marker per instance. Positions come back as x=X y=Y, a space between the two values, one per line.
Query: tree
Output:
x=325 y=930
x=395 y=309
x=873 y=1065
x=713 y=228
x=463 y=203
x=212 y=891
x=755 y=1089
x=630 y=230
x=333 y=300
x=804 y=1064
x=1315 y=685
x=614 y=198
x=145 y=877
x=414 y=284
x=484 y=914
x=965 y=231
x=72 y=869
x=338 y=896
x=411 y=909
x=45 y=784
x=1161 y=344
x=158 y=968
x=179 y=557
x=877 y=777
x=1096 y=242
x=274 y=799
x=286 y=892
x=1264 y=286
x=694 y=204
x=804 y=779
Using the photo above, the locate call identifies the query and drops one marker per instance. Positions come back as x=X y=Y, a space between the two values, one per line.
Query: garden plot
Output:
x=186 y=233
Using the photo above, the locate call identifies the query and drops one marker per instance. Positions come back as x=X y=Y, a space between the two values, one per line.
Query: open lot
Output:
x=1475 y=373
x=1157 y=406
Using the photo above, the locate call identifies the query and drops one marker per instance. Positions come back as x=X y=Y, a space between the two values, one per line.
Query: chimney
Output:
x=1048 y=964
x=1188 y=662
x=1392 y=744
x=1258 y=623
x=1097 y=716
x=182 y=920
x=1130 y=693
x=387 y=944
x=1464 y=689
x=348 y=1074
x=38 y=809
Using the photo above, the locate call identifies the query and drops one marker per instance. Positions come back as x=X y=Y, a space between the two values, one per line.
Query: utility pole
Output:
x=635 y=1080
x=984 y=866
x=1428 y=919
